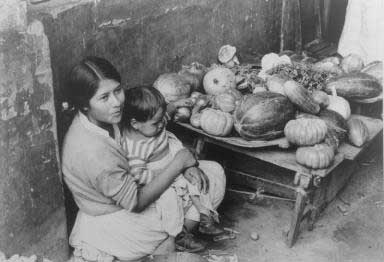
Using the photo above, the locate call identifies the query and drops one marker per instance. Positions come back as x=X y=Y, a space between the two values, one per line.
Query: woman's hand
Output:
x=185 y=158
x=197 y=177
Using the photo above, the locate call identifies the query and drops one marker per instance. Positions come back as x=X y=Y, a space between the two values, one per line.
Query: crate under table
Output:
x=312 y=189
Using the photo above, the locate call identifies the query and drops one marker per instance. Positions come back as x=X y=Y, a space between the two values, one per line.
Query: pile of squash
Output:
x=255 y=104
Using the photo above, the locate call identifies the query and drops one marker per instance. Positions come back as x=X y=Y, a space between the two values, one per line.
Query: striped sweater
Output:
x=149 y=157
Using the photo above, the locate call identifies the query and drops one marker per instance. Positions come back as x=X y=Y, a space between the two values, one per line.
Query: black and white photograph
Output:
x=191 y=131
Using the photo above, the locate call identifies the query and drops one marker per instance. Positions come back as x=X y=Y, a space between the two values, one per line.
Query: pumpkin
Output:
x=305 y=131
x=216 y=122
x=318 y=156
x=263 y=115
x=358 y=132
x=193 y=74
x=301 y=97
x=321 y=98
x=218 y=80
x=226 y=102
x=352 y=63
x=339 y=104
x=172 y=86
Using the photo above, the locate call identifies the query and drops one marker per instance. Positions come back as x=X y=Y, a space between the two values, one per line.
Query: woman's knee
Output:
x=212 y=167
x=215 y=173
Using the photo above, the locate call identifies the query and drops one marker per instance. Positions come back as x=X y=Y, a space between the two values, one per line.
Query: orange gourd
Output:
x=319 y=156
x=225 y=102
x=219 y=80
x=305 y=131
x=216 y=122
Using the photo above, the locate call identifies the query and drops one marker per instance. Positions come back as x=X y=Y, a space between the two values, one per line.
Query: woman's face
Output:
x=106 y=106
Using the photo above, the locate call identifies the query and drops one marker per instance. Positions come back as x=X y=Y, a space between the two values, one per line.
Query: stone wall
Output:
x=32 y=216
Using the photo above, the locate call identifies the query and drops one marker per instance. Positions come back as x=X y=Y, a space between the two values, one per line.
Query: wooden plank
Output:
x=297 y=215
x=319 y=20
x=375 y=126
x=238 y=141
x=282 y=158
x=290 y=34
x=287 y=158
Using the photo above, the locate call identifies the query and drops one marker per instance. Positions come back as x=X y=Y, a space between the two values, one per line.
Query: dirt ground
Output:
x=351 y=228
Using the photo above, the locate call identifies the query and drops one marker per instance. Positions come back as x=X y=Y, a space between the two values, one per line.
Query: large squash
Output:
x=218 y=80
x=216 y=122
x=172 y=86
x=355 y=86
x=263 y=115
x=301 y=97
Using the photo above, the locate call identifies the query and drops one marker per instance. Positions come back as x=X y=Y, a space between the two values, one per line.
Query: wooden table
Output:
x=312 y=190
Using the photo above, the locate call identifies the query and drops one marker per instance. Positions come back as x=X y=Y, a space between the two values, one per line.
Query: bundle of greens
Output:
x=247 y=77
x=304 y=74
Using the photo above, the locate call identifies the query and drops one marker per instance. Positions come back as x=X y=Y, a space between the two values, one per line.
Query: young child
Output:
x=150 y=148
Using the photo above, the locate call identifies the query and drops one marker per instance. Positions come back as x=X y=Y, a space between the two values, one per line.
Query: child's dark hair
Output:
x=141 y=103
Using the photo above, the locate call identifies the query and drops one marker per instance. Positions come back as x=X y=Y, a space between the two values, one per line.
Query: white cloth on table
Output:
x=363 y=30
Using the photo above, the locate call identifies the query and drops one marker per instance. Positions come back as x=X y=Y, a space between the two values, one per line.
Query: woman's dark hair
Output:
x=84 y=79
x=141 y=103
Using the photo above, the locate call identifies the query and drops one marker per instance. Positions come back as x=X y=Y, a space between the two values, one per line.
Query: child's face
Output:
x=153 y=126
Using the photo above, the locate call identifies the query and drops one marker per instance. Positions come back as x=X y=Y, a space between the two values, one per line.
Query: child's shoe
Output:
x=208 y=226
x=186 y=242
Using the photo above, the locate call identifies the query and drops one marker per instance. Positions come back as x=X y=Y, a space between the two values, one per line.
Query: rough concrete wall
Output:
x=31 y=195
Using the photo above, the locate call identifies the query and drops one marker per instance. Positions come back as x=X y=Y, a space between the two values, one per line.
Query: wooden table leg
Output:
x=318 y=201
x=301 y=199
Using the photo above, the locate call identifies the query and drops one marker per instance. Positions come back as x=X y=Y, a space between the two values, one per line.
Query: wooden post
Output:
x=301 y=200
x=319 y=20
x=290 y=32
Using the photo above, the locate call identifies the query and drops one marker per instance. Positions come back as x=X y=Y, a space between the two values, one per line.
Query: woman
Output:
x=116 y=218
